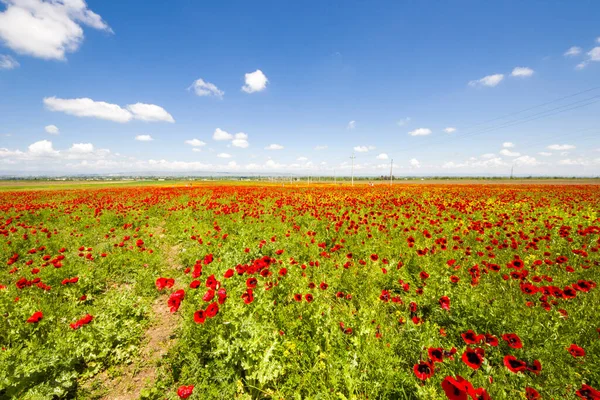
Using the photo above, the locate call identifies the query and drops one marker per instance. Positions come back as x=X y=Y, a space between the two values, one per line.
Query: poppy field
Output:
x=324 y=292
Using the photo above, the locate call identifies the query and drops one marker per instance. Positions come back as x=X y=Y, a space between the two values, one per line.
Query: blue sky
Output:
x=80 y=82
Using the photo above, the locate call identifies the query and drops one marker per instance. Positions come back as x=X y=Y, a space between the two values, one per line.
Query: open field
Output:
x=424 y=290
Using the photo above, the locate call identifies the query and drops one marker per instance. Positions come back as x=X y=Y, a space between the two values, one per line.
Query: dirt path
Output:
x=142 y=373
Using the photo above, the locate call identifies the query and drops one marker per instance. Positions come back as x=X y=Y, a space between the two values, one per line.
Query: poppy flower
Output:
x=436 y=354
x=162 y=283
x=251 y=283
x=513 y=340
x=308 y=297
x=384 y=296
x=228 y=274
x=248 y=296
x=445 y=303
x=471 y=337
x=513 y=364
x=185 y=391
x=472 y=358
x=374 y=257
x=478 y=394
x=423 y=370
x=532 y=394
x=83 y=321
x=323 y=286
x=195 y=284
x=283 y=272
x=454 y=279
x=588 y=393
x=491 y=340
x=209 y=295
x=175 y=300
x=576 y=351
x=455 y=389
x=199 y=317
x=298 y=297
x=535 y=367
x=212 y=310
x=35 y=317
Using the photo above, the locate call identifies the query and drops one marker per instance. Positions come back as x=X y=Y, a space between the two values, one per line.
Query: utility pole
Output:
x=352 y=158
x=391 y=166
x=511 y=171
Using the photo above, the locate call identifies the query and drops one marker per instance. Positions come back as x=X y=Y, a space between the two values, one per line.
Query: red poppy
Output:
x=185 y=391
x=478 y=394
x=535 y=367
x=532 y=394
x=454 y=279
x=228 y=274
x=308 y=297
x=212 y=310
x=199 y=317
x=588 y=393
x=323 y=286
x=472 y=358
x=83 y=321
x=384 y=296
x=491 y=340
x=471 y=337
x=248 y=296
x=436 y=354
x=513 y=364
x=513 y=340
x=455 y=389
x=35 y=317
x=175 y=300
x=298 y=297
x=195 y=284
x=576 y=351
x=162 y=283
x=423 y=370
x=251 y=283
x=445 y=303
x=374 y=257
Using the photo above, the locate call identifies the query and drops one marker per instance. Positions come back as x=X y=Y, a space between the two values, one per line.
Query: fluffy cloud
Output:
x=86 y=107
x=149 y=112
x=42 y=148
x=274 y=147
x=363 y=149
x=46 y=29
x=450 y=129
x=255 y=82
x=351 y=125
x=82 y=148
x=508 y=153
x=321 y=147
x=508 y=145
x=522 y=72
x=490 y=81
x=202 y=88
x=7 y=62
x=144 y=138
x=573 y=51
x=414 y=163
x=382 y=156
x=51 y=129
x=220 y=135
x=224 y=155
x=420 y=132
x=526 y=160
x=195 y=142
x=545 y=153
x=302 y=159
x=240 y=139
x=594 y=54
x=561 y=147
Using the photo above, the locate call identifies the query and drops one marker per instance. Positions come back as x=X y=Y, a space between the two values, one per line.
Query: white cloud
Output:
x=526 y=160
x=573 y=51
x=224 y=155
x=302 y=159
x=51 y=129
x=361 y=149
x=404 y=121
x=149 y=112
x=195 y=142
x=42 y=148
x=414 y=163
x=321 y=147
x=274 y=147
x=450 y=129
x=144 y=138
x=594 y=54
x=86 y=107
x=220 y=134
x=420 y=132
x=351 y=125
x=240 y=139
x=561 y=147
x=598 y=39
x=202 y=88
x=82 y=148
x=508 y=145
x=490 y=80
x=382 y=156
x=545 y=153
x=488 y=155
x=508 y=153
x=255 y=82
x=581 y=65
x=46 y=29
x=7 y=62
x=522 y=72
